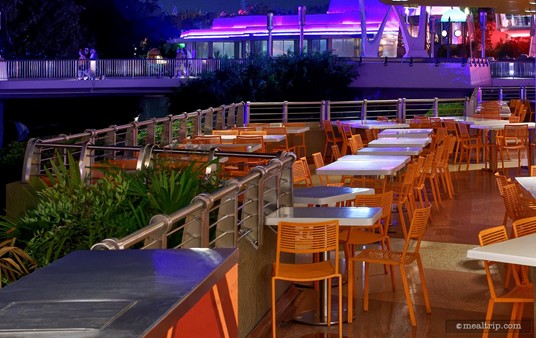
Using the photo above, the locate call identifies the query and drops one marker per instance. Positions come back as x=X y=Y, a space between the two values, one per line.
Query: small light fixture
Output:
x=444 y=33
x=457 y=33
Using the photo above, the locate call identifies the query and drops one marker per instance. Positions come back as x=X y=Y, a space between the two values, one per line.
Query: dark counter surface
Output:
x=122 y=293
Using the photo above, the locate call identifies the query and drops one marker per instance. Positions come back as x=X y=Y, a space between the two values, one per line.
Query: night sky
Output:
x=216 y=6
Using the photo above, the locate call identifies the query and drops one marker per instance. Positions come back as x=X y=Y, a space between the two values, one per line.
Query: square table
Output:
x=374 y=157
x=250 y=148
x=416 y=132
x=347 y=216
x=363 y=168
x=393 y=151
x=373 y=124
x=528 y=183
x=412 y=142
x=518 y=250
x=491 y=127
x=322 y=195
x=267 y=138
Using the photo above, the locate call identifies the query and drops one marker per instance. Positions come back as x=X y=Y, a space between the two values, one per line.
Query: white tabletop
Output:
x=398 y=151
x=412 y=142
x=519 y=250
x=267 y=138
x=387 y=167
x=347 y=216
x=250 y=147
x=320 y=195
x=290 y=130
x=374 y=157
x=528 y=183
x=417 y=132
x=373 y=124
x=484 y=125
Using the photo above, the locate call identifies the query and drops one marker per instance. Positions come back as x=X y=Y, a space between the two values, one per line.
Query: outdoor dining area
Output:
x=395 y=187
x=363 y=228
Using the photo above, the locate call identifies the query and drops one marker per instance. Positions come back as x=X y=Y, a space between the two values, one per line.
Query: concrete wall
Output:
x=395 y=74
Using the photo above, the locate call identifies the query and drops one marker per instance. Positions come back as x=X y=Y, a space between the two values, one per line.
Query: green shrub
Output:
x=71 y=214
x=448 y=109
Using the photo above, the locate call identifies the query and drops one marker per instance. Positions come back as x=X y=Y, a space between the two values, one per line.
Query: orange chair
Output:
x=300 y=175
x=298 y=139
x=351 y=237
x=317 y=238
x=280 y=146
x=332 y=139
x=519 y=295
x=206 y=139
x=467 y=145
x=318 y=160
x=400 y=259
x=346 y=132
x=514 y=137
x=225 y=132
x=252 y=132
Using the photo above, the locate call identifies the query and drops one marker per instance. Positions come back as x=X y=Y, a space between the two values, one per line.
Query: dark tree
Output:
x=40 y=29
x=119 y=25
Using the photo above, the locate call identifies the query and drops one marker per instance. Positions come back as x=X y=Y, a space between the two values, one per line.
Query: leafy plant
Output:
x=14 y=262
x=72 y=214
x=448 y=109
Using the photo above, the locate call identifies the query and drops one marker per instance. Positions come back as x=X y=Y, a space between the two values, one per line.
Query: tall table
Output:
x=347 y=216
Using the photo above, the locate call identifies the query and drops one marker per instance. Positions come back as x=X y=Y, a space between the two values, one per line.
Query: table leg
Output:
x=320 y=316
x=493 y=151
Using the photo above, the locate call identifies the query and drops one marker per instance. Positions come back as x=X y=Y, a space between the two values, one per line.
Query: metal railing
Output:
x=173 y=129
x=233 y=212
x=140 y=68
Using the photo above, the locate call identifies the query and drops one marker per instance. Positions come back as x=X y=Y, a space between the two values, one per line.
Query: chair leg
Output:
x=402 y=220
x=274 y=324
x=423 y=285
x=340 y=306
x=366 y=287
x=329 y=301
x=350 y=292
x=489 y=313
x=408 y=295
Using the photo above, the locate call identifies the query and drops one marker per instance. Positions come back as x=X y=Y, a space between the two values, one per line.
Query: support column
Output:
x=483 y=24
x=2 y=122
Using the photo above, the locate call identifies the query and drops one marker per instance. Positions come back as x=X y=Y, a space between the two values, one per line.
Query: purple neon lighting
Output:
x=343 y=18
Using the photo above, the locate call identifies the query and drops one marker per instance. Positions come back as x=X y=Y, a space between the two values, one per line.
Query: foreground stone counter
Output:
x=126 y=293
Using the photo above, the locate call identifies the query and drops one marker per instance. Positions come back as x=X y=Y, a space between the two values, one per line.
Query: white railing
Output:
x=135 y=68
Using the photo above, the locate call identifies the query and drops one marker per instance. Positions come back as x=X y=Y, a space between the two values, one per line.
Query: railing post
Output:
x=522 y=93
x=436 y=107
x=479 y=95
x=401 y=110
x=247 y=118
x=196 y=233
x=327 y=109
x=500 y=93
x=466 y=107
x=364 y=110
x=240 y=114
x=284 y=118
